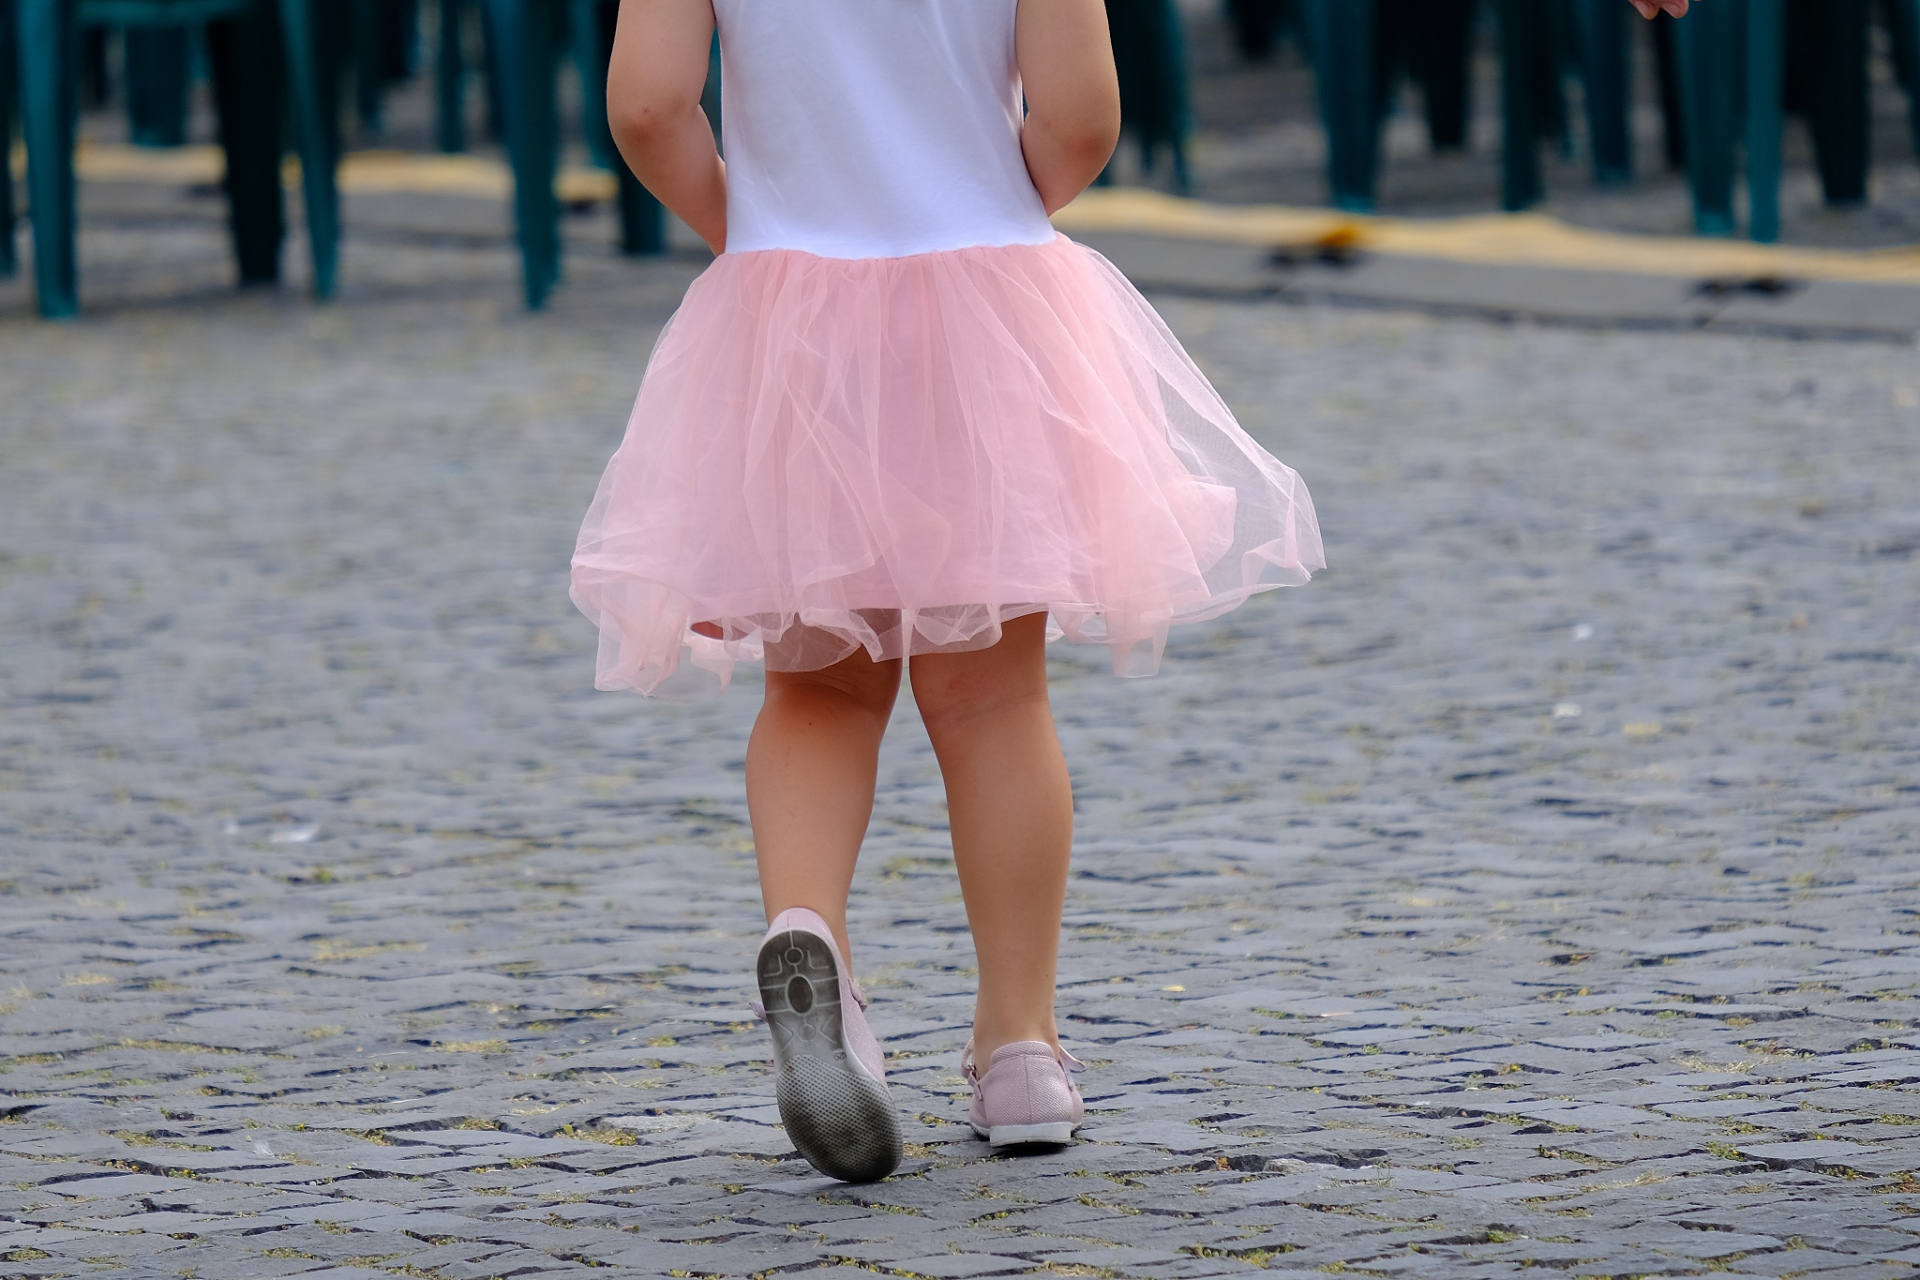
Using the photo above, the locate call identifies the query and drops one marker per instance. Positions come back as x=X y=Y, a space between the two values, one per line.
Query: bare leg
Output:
x=810 y=776
x=1011 y=809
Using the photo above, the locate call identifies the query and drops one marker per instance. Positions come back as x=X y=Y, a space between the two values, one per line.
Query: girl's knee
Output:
x=864 y=684
x=954 y=688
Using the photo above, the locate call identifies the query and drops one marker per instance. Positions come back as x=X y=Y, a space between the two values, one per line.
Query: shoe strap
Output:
x=970 y=1069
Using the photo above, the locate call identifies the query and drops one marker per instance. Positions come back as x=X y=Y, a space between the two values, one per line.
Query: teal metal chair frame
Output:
x=249 y=43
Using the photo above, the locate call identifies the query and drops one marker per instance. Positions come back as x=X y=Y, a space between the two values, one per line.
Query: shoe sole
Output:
x=1058 y=1134
x=841 y=1121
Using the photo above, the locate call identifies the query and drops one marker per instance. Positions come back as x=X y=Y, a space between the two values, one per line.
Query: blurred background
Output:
x=306 y=124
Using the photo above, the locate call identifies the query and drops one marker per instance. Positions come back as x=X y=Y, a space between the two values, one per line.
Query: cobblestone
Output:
x=1534 y=889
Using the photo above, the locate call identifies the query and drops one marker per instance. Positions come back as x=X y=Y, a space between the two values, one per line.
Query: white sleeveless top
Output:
x=873 y=128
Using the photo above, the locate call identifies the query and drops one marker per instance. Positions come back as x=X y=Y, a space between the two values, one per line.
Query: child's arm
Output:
x=1073 y=96
x=653 y=106
x=1652 y=8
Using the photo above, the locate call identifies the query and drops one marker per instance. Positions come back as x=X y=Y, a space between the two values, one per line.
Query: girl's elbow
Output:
x=1092 y=134
x=1094 y=143
x=637 y=131
x=1082 y=139
x=642 y=120
x=1102 y=124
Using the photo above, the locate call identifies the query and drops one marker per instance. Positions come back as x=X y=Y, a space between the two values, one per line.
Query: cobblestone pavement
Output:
x=1534 y=889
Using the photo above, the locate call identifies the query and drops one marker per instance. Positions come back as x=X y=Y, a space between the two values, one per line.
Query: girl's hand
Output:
x=1652 y=8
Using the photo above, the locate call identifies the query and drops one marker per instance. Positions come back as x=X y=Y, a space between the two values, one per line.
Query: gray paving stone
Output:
x=962 y=1266
x=1812 y=1153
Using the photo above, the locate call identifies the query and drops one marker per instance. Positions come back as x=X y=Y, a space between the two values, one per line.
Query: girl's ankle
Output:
x=985 y=1045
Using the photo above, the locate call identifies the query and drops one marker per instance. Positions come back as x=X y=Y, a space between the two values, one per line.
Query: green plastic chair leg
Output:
x=1345 y=39
x=527 y=43
x=399 y=40
x=369 y=62
x=1766 y=72
x=590 y=24
x=247 y=80
x=96 y=81
x=157 y=67
x=1257 y=26
x=1175 y=107
x=1710 y=55
x=1553 y=57
x=1906 y=15
x=1441 y=57
x=310 y=78
x=1838 y=111
x=643 y=223
x=1666 y=71
x=48 y=66
x=493 y=60
x=450 y=78
x=9 y=90
x=712 y=97
x=1521 y=183
x=1606 y=68
x=1149 y=53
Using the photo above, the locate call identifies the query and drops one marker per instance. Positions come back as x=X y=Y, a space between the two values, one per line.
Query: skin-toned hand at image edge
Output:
x=1653 y=8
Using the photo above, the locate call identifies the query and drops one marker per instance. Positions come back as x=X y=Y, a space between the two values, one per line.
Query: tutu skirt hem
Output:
x=900 y=455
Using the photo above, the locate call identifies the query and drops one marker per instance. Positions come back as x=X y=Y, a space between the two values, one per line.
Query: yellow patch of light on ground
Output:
x=1495 y=239
x=360 y=171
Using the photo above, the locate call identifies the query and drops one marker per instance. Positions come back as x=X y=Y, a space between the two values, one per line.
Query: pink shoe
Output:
x=831 y=1076
x=1026 y=1096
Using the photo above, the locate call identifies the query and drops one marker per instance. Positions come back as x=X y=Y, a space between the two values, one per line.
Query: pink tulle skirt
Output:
x=901 y=454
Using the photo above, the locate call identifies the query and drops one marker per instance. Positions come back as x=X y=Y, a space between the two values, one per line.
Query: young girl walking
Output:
x=902 y=424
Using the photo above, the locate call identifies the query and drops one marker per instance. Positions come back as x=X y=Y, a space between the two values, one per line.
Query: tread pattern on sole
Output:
x=842 y=1122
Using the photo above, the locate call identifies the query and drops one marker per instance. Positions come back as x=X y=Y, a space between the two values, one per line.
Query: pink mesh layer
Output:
x=901 y=454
